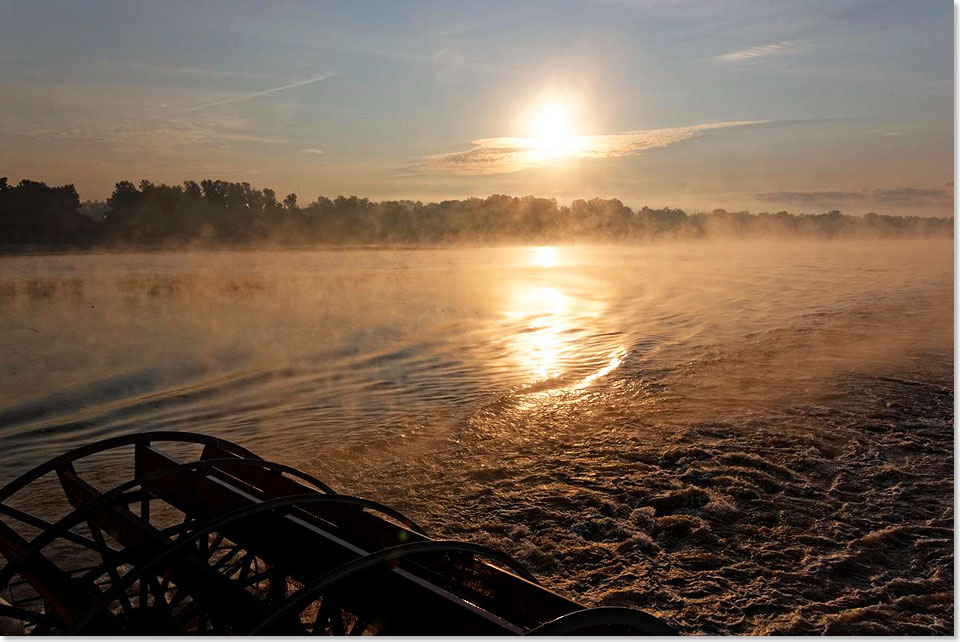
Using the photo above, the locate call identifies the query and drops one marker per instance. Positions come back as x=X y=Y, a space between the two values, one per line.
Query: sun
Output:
x=552 y=120
x=551 y=127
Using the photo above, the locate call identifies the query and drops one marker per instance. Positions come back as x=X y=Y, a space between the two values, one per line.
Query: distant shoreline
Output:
x=220 y=214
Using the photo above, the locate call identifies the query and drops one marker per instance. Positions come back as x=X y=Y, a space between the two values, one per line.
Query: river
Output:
x=742 y=437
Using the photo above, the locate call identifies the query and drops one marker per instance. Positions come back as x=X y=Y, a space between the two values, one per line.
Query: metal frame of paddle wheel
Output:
x=251 y=546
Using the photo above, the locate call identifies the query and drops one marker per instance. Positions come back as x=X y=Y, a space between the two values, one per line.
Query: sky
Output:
x=766 y=106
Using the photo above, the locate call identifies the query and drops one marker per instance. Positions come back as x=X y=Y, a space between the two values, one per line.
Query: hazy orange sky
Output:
x=802 y=106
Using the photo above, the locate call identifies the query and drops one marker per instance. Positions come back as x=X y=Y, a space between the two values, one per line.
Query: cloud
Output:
x=508 y=154
x=762 y=51
x=153 y=138
x=808 y=197
x=183 y=71
x=884 y=195
x=912 y=194
x=311 y=150
x=274 y=90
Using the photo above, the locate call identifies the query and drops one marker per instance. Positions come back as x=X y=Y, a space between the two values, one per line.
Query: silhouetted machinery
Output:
x=229 y=543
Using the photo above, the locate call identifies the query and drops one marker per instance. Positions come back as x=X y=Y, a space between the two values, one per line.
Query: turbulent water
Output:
x=739 y=437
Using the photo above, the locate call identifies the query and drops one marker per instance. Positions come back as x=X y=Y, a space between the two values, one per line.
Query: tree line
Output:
x=221 y=212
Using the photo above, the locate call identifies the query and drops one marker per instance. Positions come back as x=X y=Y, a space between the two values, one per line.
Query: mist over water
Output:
x=740 y=436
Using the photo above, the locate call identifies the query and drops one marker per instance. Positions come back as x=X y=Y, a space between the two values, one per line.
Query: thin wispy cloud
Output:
x=202 y=72
x=508 y=154
x=762 y=51
x=237 y=99
x=146 y=137
x=311 y=150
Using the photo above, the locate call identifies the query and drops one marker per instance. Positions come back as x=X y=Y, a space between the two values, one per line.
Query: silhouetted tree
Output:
x=215 y=211
x=32 y=212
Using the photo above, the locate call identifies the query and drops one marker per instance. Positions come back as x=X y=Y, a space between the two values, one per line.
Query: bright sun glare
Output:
x=552 y=120
x=551 y=126
x=544 y=256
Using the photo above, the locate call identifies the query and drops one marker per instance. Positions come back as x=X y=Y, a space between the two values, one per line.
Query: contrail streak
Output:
x=257 y=93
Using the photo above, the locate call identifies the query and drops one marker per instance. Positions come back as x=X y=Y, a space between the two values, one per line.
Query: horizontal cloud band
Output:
x=895 y=195
x=508 y=154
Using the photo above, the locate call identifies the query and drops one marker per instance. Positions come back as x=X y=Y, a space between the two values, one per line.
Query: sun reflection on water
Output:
x=540 y=345
x=616 y=359
x=553 y=325
x=544 y=256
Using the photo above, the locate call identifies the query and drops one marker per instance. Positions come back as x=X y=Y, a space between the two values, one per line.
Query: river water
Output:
x=741 y=437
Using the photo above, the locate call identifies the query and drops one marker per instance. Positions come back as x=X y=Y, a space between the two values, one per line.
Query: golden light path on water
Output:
x=547 y=346
x=543 y=256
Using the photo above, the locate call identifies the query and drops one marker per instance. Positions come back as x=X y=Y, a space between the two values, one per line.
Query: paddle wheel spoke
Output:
x=105 y=552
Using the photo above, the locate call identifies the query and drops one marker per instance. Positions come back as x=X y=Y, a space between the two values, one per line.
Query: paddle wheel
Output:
x=206 y=537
